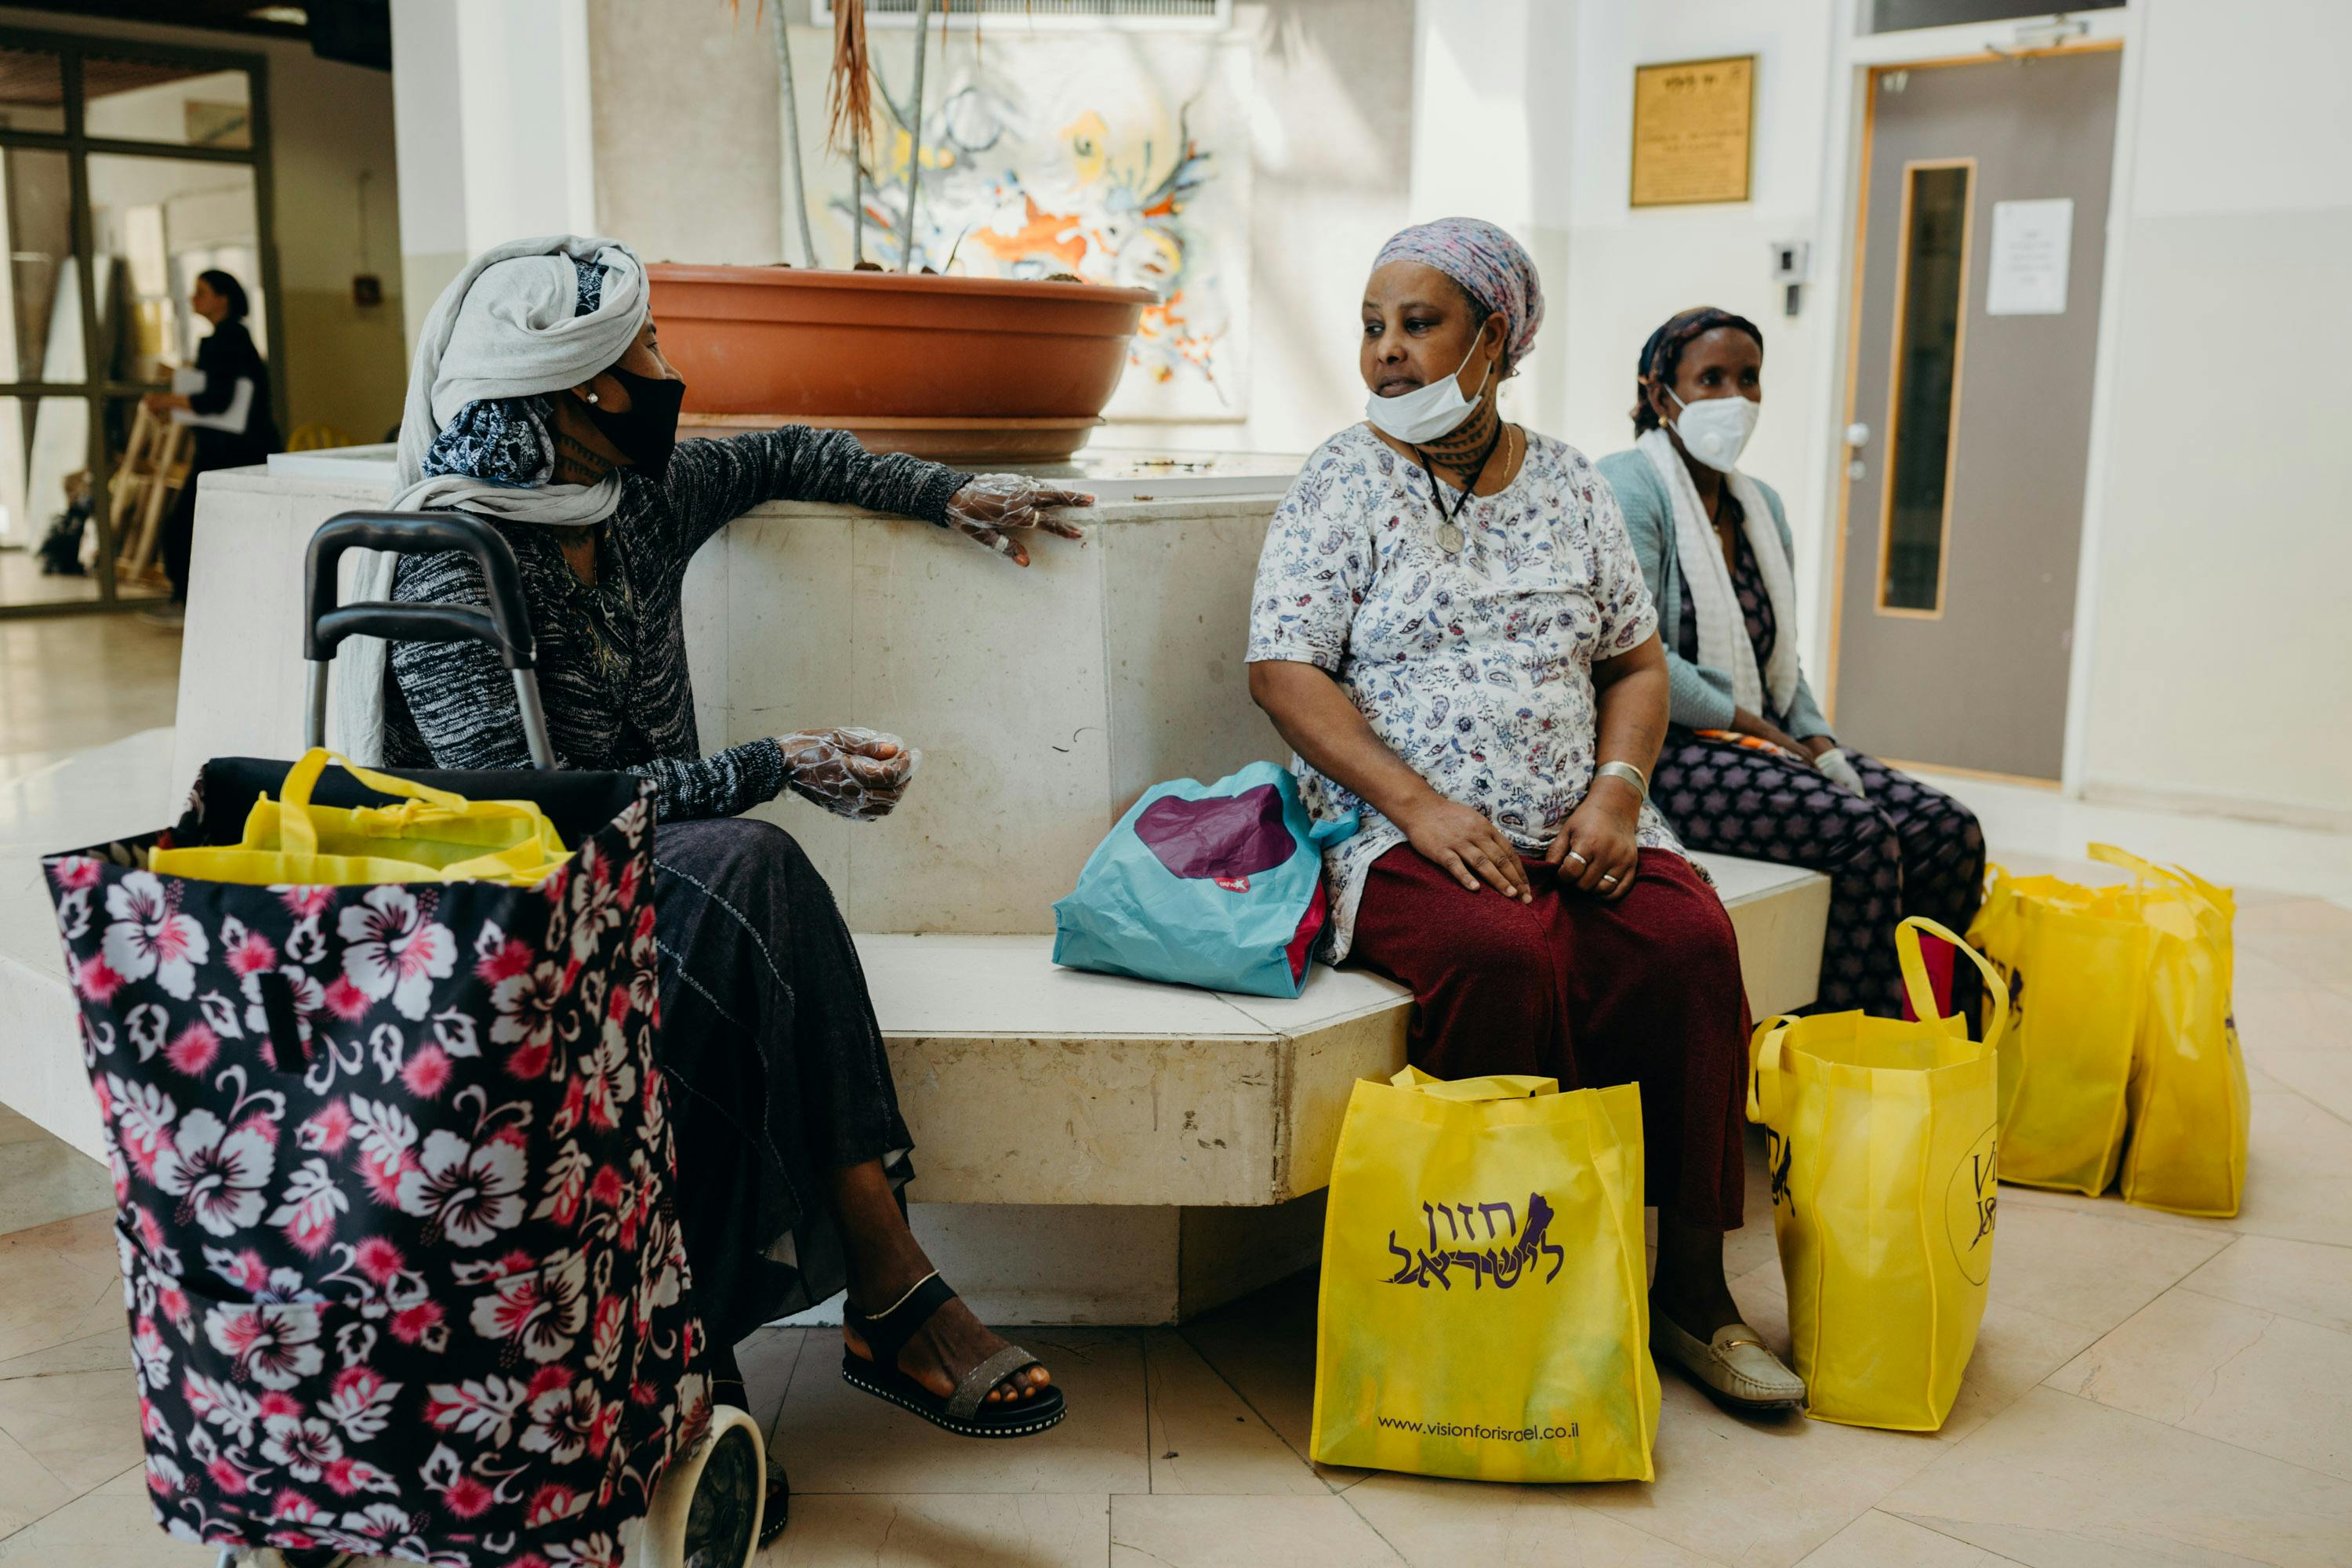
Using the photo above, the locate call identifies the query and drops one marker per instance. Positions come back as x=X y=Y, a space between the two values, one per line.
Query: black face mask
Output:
x=647 y=432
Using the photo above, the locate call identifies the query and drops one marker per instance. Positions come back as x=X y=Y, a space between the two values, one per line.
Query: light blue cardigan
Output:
x=1700 y=695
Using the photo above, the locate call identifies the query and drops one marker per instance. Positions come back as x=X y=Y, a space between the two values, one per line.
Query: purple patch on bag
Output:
x=1224 y=838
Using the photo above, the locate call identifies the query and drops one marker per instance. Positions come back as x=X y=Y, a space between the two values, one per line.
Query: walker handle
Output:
x=505 y=625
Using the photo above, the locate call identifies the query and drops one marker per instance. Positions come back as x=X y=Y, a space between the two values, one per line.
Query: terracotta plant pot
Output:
x=960 y=367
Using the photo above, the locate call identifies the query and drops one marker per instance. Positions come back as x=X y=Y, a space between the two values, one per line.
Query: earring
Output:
x=592 y=397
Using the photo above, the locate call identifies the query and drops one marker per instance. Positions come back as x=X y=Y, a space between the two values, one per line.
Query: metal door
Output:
x=1977 y=314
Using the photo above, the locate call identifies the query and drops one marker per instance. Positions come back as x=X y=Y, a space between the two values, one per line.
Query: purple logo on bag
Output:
x=1224 y=838
x=1458 y=1248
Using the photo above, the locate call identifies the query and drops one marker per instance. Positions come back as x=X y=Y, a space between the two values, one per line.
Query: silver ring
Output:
x=1578 y=858
x=1608 y=880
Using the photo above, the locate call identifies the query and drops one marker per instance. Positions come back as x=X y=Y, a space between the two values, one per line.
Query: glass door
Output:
x=126 y=170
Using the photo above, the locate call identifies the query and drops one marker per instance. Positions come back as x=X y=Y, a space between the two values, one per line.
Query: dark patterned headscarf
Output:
x=507 y=440
x=1662 y=357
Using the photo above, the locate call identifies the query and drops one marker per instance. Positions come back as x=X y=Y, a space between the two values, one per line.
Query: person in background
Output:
x=223 y=359
x=540 y=401
x=1450 y=630
x=1750 y=766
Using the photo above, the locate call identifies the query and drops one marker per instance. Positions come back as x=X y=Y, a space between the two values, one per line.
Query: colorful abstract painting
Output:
x=1095 y=158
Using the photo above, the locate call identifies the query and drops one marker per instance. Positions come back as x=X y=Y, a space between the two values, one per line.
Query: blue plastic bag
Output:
x=1216 y=885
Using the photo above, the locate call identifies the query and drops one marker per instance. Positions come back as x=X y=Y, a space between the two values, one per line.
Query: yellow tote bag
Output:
x=432 y=836
x=1883 y=1149
x=2189 y=1103
x=2076 y=972
x=1484 y=1310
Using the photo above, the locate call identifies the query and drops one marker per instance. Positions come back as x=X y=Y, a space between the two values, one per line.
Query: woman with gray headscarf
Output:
x=541 y=400
x=1452 y=631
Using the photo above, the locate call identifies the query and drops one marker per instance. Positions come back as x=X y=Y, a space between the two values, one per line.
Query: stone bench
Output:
x=1090 y=1147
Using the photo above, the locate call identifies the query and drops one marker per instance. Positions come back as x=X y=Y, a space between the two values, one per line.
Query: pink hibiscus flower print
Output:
x=467 y=1190
x=146 y=935
x=565 y=1423
x=541 y=1311
x=596 y=905
x=194 y=1051
x=246 y=951
x=396 y=949
x=275 y=1346
x=80 y=872
x=217 y=1174
x=305 y=1447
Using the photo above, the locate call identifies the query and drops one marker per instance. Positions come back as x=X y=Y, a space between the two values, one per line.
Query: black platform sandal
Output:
x=966 y=1412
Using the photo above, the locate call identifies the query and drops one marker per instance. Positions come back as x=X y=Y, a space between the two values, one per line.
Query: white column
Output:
x=491 y=104
x=1492 y=118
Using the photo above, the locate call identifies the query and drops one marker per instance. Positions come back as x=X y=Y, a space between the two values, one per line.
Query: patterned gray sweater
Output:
x=611 y=658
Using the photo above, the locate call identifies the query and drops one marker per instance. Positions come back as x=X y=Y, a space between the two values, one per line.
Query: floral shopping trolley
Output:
x=374 y=1056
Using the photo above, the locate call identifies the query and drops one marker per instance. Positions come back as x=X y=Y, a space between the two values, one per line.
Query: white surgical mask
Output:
x=1426 y=412
x=1715 y=430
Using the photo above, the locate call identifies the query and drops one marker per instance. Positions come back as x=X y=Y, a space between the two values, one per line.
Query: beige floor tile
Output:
x=1039 y=1530
x=836 y=1438
x=767 y=1359
x=2292 y=1278
x=2055 y=1481
x=27 y=1491
x=58 y=1283
x=2298 y=1173
x=2089 y=1267
x=113 y=1527
x=2302 y=1015
x=1880 y=1540
x=2322 y=1075
x=75 y=1408
x=1263 y=1345
x=1761 y=1491
x=1446 y=1524
x=1204 y=1439
x=42 y=1180
x=1243 y=1532
x=2243 y=1375
x=16 y=1129
x=2311 y=938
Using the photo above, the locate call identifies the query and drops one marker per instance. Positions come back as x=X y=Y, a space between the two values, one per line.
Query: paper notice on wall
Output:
x=2032 y=243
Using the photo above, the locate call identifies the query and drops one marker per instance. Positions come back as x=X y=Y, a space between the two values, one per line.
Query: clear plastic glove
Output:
x=1840 y=772
x=853 y=772
x=991 y=507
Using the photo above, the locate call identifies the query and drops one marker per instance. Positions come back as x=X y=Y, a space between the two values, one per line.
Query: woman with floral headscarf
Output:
x=539 y=399
x=1452 y=632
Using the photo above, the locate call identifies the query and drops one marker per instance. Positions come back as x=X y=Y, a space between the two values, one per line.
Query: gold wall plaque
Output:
x=1691 y=131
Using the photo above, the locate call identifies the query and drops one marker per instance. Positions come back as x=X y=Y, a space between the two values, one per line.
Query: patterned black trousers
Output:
x=1906 y=850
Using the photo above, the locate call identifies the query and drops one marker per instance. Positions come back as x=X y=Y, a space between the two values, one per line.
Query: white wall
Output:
x=329 y=124
x=2220 y=663
x=494 y=121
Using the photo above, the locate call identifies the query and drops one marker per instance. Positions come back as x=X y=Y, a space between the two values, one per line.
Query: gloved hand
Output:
x=1841 y=772
x=990 y=504
x=853 y=772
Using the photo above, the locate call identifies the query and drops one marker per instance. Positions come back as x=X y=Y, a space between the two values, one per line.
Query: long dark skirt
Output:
x=775 y=1065
x=1909 y=849
x=1642 y=990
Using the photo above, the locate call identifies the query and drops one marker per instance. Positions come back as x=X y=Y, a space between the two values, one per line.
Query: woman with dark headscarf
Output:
x=229 y=411
x=541 y=400
x=1749 y=766
x=1450 y=629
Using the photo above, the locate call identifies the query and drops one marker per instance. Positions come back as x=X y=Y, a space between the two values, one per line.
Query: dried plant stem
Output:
x=915 y=134
x=796 y=180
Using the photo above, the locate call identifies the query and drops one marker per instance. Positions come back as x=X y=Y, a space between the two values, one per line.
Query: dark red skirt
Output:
x=1646 y=990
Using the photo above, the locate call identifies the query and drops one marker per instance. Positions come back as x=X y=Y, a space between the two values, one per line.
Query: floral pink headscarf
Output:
x=1488 y=264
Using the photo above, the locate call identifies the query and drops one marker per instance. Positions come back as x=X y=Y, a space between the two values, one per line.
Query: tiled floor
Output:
x=2145 y=1389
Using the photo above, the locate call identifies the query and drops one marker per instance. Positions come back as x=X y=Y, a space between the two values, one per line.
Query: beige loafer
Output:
x=1734 y=1365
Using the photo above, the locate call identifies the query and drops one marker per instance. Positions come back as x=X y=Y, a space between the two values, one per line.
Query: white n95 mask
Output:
x=1426 y=412
x=1715 y=430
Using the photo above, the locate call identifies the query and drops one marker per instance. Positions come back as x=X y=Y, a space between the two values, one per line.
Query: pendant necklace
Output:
x=1449 y=534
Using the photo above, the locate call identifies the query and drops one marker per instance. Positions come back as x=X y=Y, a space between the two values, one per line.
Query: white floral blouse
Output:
x=1476 y=668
